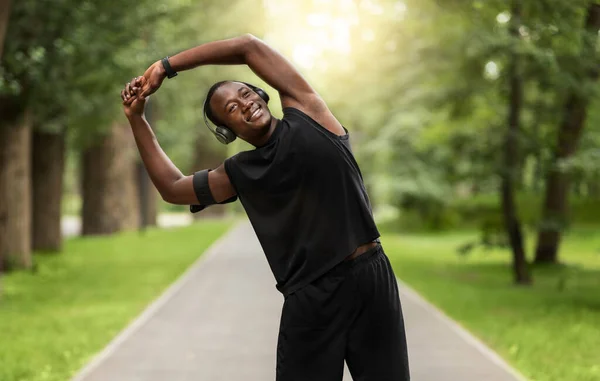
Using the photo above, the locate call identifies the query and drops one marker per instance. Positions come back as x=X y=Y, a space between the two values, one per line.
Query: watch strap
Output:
x=168 y=69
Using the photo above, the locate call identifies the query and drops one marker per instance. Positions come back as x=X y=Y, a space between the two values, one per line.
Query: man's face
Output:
x=242 y=110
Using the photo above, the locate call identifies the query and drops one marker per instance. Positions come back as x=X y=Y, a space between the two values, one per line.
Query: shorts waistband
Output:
x=364 y=257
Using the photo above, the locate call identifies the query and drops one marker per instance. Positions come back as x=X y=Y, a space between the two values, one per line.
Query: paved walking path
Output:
x=220 y=321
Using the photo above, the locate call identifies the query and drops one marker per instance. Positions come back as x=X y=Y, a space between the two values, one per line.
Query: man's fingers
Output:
x=131 y=100
x=135 y=83
x=134 y=90
x=132 y=84
x=125 y=97
x=139 y=81
x=128 y=89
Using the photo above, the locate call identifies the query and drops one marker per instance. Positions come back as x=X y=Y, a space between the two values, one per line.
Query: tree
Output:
x=511 y=156
x=4 y=17
x=4 y=13
x=47 y=166
x=51 y=79
x=15 y=147
x=15 y=223
x=109 y=174
x=569 y=132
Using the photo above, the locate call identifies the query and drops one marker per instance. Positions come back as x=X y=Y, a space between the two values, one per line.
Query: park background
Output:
x=475 y=123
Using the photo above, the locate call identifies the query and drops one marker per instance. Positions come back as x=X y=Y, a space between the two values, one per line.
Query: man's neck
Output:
x=265 y=138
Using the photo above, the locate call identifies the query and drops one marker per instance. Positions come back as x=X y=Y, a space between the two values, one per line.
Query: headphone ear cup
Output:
x=263 y=94
x=224 y=135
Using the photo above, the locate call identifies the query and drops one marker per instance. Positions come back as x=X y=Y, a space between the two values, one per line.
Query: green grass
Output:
x=54 y=320
x=549 y=332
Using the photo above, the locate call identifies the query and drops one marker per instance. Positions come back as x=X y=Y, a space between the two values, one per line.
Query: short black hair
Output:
x=207 y=110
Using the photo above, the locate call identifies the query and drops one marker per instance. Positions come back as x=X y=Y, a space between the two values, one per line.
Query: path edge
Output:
x=154 y=306
x=462 y=332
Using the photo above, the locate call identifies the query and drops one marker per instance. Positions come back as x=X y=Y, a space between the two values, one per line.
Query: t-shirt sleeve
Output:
x=232 y=170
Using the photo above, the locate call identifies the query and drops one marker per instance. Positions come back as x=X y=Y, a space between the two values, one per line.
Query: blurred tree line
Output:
x=63 y=65
x=463 y=100
x=462 y=112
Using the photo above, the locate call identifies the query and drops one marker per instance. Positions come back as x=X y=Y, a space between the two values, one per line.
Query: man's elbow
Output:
x=249 y=38
x=167 y=197
x=249 y=42
x=171 y=197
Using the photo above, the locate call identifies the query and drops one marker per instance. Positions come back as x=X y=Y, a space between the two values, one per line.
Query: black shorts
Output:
x=351 y=313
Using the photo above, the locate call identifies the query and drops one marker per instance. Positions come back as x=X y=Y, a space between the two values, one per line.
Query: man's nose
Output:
x=247 y=103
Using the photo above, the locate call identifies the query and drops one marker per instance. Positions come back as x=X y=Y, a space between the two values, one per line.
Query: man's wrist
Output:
x=161 y=69
x=132 y=116
x=167 y=69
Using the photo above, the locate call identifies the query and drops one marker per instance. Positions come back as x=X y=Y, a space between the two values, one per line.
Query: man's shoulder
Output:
x=239 y=157
x=293 y=114
x=305 y=123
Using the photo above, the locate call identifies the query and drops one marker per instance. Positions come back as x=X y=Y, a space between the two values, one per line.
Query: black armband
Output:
x=203 y=193
x=202 y=189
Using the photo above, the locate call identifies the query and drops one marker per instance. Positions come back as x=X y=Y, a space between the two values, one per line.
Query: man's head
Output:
x=240 y=108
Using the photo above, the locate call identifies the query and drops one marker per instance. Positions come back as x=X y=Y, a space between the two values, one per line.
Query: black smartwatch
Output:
x=168 y=69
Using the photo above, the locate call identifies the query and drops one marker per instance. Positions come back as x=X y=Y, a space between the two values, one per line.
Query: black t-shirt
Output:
x=304 y=195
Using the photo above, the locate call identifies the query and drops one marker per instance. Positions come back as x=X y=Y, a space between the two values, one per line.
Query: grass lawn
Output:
x=549 y=332
x=54 y=320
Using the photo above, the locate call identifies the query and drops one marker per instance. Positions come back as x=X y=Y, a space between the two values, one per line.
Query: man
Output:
x=304 y=195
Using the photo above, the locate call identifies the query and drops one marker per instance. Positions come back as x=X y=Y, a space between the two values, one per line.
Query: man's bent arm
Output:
x=172 y=185
x=263 y=60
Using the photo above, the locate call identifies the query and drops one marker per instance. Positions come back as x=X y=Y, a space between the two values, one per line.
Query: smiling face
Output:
x=242 y=110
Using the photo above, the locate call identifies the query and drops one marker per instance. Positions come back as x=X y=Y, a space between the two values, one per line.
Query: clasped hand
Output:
x=135 y=92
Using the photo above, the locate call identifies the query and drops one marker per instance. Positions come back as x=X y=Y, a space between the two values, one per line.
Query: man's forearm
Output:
x=161 y=169
x=223 y=52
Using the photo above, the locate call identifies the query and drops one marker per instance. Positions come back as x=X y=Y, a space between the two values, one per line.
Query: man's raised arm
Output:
x=263 y=60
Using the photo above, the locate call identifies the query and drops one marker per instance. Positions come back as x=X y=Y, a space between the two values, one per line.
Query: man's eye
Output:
x=246 y=94
x=231 y=108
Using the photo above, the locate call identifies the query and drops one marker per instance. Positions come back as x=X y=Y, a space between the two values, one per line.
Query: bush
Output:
x=424 y=213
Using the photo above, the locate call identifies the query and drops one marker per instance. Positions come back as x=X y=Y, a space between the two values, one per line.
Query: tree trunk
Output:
x=4 y=17
x=3 y=192
x=48 y=166
x=511 y=161
x=209 y=154
x=109 y=191
x=557 y=184
x=15 y=194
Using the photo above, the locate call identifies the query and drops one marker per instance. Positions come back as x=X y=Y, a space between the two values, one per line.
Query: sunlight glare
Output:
x=340 y=35
x=371 y=6
x=304 y=55
x=390 y=45
x=317 y=19
x=399 y=10
x=327 y=30
x=503 y=18
x=368 y=35
x=491 y=70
